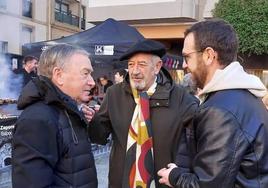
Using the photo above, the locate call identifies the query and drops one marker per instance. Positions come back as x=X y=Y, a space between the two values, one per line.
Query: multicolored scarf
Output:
x=139 y=165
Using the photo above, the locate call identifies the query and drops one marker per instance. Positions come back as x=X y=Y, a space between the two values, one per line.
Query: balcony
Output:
x=67 y=18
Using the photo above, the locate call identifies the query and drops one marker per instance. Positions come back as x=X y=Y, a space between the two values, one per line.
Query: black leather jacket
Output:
x=230 y=147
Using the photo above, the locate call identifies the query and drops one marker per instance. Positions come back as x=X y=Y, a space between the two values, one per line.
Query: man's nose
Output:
x=91 y=81
x=136 y=69
x=184 y=65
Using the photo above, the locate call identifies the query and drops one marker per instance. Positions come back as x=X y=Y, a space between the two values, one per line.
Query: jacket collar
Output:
x=42 y=89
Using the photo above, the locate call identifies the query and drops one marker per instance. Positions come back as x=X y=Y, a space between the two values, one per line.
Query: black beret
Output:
x=145 y=46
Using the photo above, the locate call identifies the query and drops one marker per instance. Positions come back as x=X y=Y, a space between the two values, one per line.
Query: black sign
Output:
x=6 y=128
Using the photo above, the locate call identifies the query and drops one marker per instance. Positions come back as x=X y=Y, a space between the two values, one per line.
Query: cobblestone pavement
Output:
x=5 y=177
x=102 y=165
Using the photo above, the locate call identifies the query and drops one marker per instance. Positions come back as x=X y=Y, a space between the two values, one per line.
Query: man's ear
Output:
x=57 y=76
x=209 y=55
x=158 y=66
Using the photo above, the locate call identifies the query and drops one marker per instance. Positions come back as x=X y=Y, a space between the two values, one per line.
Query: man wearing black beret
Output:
x=145 y=115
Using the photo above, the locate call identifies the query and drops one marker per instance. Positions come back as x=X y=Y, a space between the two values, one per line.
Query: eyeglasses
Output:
x=185 y=56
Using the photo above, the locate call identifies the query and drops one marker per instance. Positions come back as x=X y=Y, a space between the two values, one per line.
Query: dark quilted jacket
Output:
x=51 y=147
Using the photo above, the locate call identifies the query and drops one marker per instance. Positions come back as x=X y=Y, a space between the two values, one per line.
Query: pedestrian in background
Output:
x=29 y=70
x=120 y=75
x=105 y=83
x=229 y=145
x=50 y=145
x=145 y=115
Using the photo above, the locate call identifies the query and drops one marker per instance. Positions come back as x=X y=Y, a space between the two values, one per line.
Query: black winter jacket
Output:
x=50 y=143
x=171 y=108
x=230 y=144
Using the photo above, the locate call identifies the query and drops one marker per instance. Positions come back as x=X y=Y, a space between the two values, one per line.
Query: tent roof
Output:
x=110 y=32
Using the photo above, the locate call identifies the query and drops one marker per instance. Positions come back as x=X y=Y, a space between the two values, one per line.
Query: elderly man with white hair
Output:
x=51 y=147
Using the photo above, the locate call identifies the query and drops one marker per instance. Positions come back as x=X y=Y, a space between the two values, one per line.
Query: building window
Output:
x=83 y=17
x=61 y=7
x=27 y=8
x=27 y=35
x=3 y=4
x=3 y=46
x=63 y=14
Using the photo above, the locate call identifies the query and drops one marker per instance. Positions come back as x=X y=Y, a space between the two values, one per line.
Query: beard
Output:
x=138 y=85
x=144 y=81
x=200 y=75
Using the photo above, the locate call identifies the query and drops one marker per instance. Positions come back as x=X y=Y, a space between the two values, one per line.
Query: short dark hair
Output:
x=217 y=34
x=29 y=58
x=104 y=77
x=122 y=72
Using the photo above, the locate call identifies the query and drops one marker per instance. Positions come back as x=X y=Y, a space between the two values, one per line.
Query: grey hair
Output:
x=155 y=59
x=57 y=56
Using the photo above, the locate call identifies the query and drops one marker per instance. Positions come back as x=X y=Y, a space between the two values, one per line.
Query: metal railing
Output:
x=68 y=18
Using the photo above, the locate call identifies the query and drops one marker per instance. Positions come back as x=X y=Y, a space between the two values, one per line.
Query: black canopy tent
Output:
x=107 y=40
x=105 y=43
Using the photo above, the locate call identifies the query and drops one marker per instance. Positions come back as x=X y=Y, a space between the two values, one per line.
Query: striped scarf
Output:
x=139 y=164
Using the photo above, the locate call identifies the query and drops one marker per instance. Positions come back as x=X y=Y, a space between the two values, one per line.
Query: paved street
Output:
x=102 y=165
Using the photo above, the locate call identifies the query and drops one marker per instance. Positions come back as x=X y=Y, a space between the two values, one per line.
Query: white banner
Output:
x=104 y=49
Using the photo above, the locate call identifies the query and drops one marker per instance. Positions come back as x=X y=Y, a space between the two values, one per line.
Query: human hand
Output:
x=88 y=112
x=164 y=174
x=96 y=107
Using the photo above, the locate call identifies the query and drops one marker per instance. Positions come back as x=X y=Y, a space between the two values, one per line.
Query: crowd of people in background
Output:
x=29 y=71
